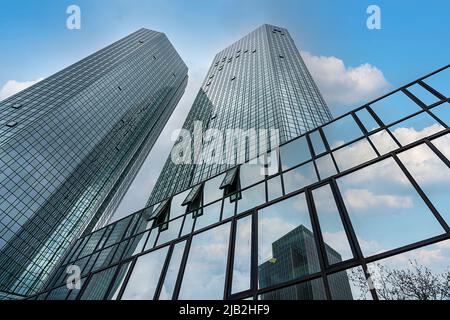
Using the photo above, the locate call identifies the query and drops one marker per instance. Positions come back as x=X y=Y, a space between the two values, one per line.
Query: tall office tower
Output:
x=70 y=146
x=258 y=82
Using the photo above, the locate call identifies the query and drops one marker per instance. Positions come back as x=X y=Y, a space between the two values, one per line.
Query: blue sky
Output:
x=332 y=36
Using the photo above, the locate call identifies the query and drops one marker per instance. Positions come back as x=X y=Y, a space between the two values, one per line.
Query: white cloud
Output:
x=344 y=85
x=12 y=87
x=365 y=199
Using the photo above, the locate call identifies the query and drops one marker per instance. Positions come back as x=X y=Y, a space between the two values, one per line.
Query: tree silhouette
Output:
x=415 y=283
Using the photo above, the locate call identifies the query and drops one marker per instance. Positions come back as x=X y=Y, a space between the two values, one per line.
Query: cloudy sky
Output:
x=350 y=63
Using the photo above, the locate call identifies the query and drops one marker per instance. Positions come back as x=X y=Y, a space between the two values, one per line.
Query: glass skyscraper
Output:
x=71 y=145
x=258 y=82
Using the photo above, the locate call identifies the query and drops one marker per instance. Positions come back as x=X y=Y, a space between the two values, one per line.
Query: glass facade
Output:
x=377 y=224
x=258 y=82
x=78 y=140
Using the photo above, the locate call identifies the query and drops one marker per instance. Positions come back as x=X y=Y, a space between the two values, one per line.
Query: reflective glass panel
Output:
x=432 y=175
x=383 y=142
x=337 y=247
x=118 y=281
x=294 y=153
x=204 y=276
x=342 y=131
x=385 y=209
x=286 y=244
x=367 y=120
x=172 y=271
x=415 y=128
x=317 y=142
x=299 y=177
x=242 y=255
x=440 y=82
x=228 y=208
x=211 y=215
x=145 y=276
x=443 y=144
x=394 y=107
x=350 y=284
x=310 y=290
x=172 y=232
x=188 y=224
x=211 y=191
x=272 y=163
x=176 y=209
x=442 y=112
x=252 y=198
x=274 y=188
x=251 y=173
x=423 y=94
x=151 y=239
x=354 y=154
x=98 y=285
x=421 y=274
x=325 y=166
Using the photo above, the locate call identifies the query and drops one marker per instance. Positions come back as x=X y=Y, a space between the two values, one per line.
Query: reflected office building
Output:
x=293 y=257
x=71 y=145
x=335 y=205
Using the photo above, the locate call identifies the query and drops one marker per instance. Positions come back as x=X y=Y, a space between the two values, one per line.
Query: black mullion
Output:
x=230 y=261
x=376 y=117
x=422 y=194
x=415 y=99
x=176 y=290
x=353 y=239
x=432 y=90
x=164 y=271
x=438 y=152
x=254 y=255
x=365 y=132
x=431 y=114
x=313 y=154
x=127 y=278
x=318 y=239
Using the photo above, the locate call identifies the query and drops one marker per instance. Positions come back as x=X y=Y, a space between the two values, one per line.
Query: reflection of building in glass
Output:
x=294 y=256
x=71 y=145
x=258 y=82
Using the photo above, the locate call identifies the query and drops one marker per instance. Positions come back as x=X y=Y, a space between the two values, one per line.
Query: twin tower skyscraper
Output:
x=71 y=145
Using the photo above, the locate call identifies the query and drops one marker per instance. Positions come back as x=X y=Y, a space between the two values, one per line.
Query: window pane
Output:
x=325 y=166
x=415 y=128
x=394 y=107
x=367 y=120
x=311 y=290
x=136 y=245
x=421 y=274
x=272 y=163
x=440 y=82
x=349 y=285
x=252 y=198
x=342 y=131
x=333 y=232
x=98 y=285
x=432 y=175
x=443 y=144
x=172 y=271
x=204 y=277
x=145 y=276
x=58 y=293
x=354 y=154
x=299 y=177
x=211 y=215
x=211 y=190
x=188 y=224
x=383 y=142
x=172 y=232
x=385 y=209
x=251 y=174
x=274 y=188
x=120 y=278
x=176 y=209
x=294 y=153
x=423 y=94
x=286 y=245
x=151 y=239
x=442 y=112
x=228 y=208
x=242 y=255
x=317 y=142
